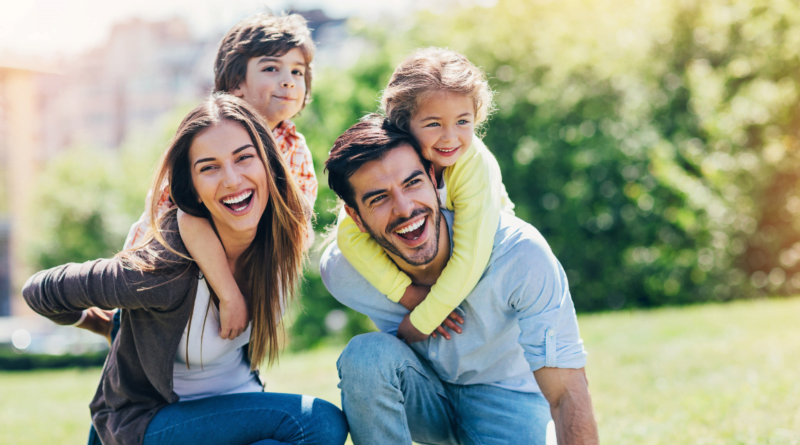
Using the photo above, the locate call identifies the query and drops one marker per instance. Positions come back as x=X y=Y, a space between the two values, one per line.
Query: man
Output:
x=519 y=359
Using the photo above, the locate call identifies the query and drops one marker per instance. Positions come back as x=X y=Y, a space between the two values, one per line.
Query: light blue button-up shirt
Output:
x=518 y=319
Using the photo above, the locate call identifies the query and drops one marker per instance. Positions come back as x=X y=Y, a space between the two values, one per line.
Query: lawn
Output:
x=712 y=374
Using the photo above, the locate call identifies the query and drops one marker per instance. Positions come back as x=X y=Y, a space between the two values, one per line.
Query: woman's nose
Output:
x=231 y=178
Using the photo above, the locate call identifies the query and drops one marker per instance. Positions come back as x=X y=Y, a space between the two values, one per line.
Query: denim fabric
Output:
x=249 y=418
x=518 y=318
x=391 y=395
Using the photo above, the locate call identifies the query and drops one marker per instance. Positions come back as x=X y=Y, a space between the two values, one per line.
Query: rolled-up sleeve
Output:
x=549 y=333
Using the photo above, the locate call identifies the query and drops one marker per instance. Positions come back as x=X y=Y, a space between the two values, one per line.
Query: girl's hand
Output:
x=233 y=317
x=450 y=322
x=98 y=321
x=414 y=295
x=407 y=332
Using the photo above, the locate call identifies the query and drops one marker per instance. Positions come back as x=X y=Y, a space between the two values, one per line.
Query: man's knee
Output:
x=330 y=422
x=371 y=356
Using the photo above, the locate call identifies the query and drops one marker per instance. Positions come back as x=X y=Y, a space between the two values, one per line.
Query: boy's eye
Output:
x=298 y=73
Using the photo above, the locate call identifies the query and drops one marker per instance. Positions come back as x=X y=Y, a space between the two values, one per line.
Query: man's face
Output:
x=398 y=206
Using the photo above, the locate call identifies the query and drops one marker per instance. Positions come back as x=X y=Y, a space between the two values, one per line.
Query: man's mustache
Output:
x=400 y=221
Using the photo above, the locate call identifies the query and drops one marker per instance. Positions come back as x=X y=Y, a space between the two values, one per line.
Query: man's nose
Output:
x=404 y=206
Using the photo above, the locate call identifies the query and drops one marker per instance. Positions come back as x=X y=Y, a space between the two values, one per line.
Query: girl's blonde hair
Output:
x=274 y=261
x=428 y=71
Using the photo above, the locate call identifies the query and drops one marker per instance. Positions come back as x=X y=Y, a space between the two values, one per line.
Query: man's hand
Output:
x=98 y=321
x=233 y=317
x=567 y=390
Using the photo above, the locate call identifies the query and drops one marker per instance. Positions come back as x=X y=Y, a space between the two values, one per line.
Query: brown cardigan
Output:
x=137 y=377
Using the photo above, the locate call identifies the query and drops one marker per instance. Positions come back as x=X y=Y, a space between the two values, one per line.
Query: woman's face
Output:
x=229 y=177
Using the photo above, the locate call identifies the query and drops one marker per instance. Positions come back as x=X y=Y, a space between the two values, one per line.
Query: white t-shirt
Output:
x=215 y=366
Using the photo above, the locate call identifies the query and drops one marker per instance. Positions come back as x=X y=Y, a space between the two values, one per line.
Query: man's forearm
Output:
x=574 y=419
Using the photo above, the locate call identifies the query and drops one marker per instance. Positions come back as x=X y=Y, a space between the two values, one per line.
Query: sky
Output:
x=45 y=29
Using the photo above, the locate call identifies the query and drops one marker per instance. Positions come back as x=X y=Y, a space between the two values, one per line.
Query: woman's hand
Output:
x=98 y=321
x=233 y=316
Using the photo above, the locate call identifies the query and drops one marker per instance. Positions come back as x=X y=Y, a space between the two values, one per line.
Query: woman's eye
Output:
x=245 y=157
x=206 y=168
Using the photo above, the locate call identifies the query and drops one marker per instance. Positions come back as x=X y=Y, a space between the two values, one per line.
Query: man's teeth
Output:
x=412 y=227
x=238 y=198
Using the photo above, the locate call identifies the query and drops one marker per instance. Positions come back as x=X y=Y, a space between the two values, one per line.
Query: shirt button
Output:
x=433 y=355
x=551 y=333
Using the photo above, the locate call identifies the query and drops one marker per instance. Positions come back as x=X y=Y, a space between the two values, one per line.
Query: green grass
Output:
x=713 y=374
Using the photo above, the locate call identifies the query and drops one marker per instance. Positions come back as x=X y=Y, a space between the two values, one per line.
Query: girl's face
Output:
x=229 y=177
x=443 y=126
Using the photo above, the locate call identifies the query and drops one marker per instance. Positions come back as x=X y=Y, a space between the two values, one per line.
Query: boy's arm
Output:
x=205 y=248
x=302 y=168
x=370 y=260
x=473 y=191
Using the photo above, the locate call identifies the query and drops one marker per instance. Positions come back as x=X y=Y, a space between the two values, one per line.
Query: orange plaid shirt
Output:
x=296 y=154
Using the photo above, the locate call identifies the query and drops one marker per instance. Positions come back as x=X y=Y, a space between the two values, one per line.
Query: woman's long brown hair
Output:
x=274 y=261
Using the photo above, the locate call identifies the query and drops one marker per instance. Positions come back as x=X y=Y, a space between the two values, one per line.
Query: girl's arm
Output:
x=205 y=248
x=474 y=187
x=370 y=260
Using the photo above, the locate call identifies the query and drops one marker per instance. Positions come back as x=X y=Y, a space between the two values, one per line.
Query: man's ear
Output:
x=353 y=213
x=432 y=175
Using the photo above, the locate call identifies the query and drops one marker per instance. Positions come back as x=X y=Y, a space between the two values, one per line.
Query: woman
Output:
x=169 y=378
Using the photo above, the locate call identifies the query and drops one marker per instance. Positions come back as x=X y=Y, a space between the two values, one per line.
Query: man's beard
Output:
x=426 y=252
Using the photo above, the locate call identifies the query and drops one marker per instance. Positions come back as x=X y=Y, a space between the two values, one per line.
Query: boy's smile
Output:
x=275 y=86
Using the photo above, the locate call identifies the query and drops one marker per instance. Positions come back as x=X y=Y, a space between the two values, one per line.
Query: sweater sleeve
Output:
x=61 y=293
x=473 y=191
x=369 y=259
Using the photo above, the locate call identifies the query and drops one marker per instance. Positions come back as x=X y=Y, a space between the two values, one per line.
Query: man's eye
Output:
x=377 y=199
x=414 y=182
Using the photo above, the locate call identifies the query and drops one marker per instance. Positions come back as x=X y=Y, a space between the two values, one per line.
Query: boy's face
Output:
x=275 y=86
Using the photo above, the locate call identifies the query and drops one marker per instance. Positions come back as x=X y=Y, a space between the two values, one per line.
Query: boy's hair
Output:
x=433 y=70
x=369 y=140
x=261 y=35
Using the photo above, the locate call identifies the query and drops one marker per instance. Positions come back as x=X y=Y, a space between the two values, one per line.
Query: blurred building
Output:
x=125 y=87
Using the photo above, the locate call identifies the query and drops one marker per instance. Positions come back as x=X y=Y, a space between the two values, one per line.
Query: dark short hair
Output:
x=257 y=36
x=369 y=140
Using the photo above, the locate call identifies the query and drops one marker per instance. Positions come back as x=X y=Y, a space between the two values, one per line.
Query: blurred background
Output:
x=654 y=143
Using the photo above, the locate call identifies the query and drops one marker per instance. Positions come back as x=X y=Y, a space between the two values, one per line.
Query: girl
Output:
x=440 y=98
x=168 y=377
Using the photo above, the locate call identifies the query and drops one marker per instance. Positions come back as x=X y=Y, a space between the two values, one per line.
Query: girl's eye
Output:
x=270 y=69
x=463 y=122
x=433 y=124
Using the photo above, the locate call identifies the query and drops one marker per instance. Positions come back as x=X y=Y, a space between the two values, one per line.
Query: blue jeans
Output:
x=246 y=419
x=391 y=395
x=249 y=418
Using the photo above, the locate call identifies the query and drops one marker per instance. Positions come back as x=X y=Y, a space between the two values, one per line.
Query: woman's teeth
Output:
x=238 y=198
